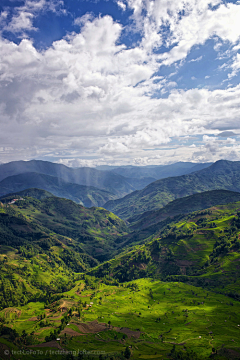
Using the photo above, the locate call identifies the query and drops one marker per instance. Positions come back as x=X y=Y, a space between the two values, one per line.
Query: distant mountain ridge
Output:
x=222 y=174
x=160 y=171
x=84 y=195
x=119 y=181
x=104 y=180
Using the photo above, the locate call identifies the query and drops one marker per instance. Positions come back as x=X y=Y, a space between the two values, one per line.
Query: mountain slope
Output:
x=86 y=176
x=220 y=175
x=184 y=205
x=145 y=227
x=196 y=304
x=95 y=228
x=32 y=192
x=43 y=242
x=202 y=248
x=85 y=195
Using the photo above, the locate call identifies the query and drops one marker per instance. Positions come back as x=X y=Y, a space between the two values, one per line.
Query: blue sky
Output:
x=119 y=82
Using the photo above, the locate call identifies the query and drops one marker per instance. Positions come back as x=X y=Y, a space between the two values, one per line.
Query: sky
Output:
x=119 y=82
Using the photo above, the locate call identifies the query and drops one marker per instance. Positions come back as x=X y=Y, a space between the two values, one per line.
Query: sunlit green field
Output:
x=159 y=315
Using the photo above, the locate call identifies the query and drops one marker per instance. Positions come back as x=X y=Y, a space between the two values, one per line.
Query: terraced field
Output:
x=148 y=316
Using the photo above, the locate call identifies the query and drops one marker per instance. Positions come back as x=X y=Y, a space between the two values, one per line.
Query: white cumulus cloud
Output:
x=90 y=96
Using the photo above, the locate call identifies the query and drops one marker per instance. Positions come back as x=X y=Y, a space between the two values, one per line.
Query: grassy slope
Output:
x=87 y=227
x=221 y=175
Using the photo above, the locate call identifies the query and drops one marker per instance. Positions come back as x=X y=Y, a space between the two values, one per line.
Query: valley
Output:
x=156 y=277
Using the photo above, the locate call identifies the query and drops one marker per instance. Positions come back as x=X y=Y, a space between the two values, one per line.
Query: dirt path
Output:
x=210 y=342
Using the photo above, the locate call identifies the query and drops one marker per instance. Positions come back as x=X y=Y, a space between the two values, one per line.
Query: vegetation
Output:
x=45 y=243
x=178 y=321
x=201 y=248
x=220 y=175
x=184 y=205
x=80 y=283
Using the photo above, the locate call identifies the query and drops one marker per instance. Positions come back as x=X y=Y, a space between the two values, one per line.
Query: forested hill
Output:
x=220 y=175
x=184 y=205
x=182 y=279
x=201 y=248
x=44 y=242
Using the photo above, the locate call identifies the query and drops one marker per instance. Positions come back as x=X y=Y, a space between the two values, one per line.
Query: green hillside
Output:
x=201 y=248
x=44 y=242
x=220 y=175
x=184 y=205
x=174 y=295
x=31 y=192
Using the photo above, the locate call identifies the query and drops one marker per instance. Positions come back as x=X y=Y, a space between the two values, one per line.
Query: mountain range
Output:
x=104 y=180
x=116 y=182
x=148 y=283
x=220 y=175
x=201 y=248
x=38 y=222
x=183 y=205
x=81 y=194
x=156 y=172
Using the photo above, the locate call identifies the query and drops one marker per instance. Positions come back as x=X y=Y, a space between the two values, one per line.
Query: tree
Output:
x=127 y=352
x=151 y=293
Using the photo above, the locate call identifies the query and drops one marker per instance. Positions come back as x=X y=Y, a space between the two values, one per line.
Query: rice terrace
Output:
x=152 y=318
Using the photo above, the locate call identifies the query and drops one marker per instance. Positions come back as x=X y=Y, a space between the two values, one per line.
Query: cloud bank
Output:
x=92 y=99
